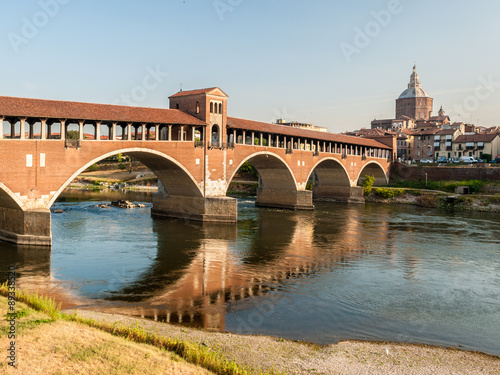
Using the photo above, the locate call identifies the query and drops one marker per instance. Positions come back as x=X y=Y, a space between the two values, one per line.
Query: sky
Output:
x=336 y=64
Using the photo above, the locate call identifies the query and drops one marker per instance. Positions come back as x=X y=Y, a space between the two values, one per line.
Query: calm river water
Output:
x=371 y=272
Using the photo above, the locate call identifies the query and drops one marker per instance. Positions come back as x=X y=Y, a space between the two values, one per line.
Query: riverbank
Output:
x=269 y=354
x=57 y=344
x=435 y=199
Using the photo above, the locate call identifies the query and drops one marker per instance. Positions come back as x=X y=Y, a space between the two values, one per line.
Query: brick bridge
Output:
x=193 y=148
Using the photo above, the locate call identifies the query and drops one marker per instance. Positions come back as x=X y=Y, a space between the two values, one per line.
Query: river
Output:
x=373 y=272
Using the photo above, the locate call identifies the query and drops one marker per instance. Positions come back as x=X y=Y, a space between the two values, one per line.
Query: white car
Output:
x=426 y=161
x=468 y=159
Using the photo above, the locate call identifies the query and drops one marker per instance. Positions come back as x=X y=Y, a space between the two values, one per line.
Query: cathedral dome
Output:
x=414 y=92
x=414 y=89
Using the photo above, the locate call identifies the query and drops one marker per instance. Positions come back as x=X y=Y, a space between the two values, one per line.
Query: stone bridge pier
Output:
x=208 y=209
x=25 y=227
x=277 y=187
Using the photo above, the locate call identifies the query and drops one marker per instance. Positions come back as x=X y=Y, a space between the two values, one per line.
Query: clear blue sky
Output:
x=280 y=58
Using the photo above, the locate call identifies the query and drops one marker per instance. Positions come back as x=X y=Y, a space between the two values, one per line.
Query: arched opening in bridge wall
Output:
x=277 y=185
x=174 y=179
x=330 y=181
x=376 y=170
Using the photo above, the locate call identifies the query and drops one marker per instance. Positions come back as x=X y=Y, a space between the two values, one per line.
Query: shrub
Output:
x=367 y=183
x=92 y=168
x=465 y=200
x=122 y=166
x=388 y=193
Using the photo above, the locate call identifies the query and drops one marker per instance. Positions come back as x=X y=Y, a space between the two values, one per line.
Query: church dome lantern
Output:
x=414 y=89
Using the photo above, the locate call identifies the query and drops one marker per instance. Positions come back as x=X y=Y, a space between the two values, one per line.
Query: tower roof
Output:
x=414 y=89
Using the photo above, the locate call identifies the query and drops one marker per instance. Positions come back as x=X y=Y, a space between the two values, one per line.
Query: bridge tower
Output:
x=210 y=106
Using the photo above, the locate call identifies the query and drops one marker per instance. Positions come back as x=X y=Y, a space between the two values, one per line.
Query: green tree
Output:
x=367 y=183
x=248 y=168
x=486 y=157
x=73 y=134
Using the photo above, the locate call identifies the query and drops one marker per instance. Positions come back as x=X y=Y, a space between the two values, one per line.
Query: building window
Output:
x=211 y=107
x=220 y=108
x=177 y=106
x=197 y=107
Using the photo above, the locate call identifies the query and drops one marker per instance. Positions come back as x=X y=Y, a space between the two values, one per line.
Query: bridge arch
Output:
x=333 y=183
x=274 y=171
x=8 y=199
x=330 y=171
x=173 y=175
x=374 y=168
x=278 y=187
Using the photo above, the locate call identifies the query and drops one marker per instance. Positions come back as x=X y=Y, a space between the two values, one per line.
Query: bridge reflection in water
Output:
x=201 y=268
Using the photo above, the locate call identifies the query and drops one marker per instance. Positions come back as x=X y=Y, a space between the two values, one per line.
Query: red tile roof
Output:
x=197 y=92
x=237 y=123
x=40 y=108
x=426 y=132
x=446 y=131
x=476 y=138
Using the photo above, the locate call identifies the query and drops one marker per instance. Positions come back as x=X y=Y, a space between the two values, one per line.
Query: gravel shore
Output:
x=262 y=353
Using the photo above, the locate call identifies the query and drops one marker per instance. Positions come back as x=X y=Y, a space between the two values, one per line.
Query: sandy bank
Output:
x=262 y=353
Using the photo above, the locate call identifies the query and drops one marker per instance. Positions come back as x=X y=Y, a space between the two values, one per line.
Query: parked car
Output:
x=441 y=159
x=467 y=159
x=426 y=161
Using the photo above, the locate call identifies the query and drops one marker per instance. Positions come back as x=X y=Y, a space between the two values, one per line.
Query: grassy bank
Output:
x=51 y=342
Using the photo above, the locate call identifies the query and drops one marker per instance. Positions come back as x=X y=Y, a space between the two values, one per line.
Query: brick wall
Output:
x=400 y=171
